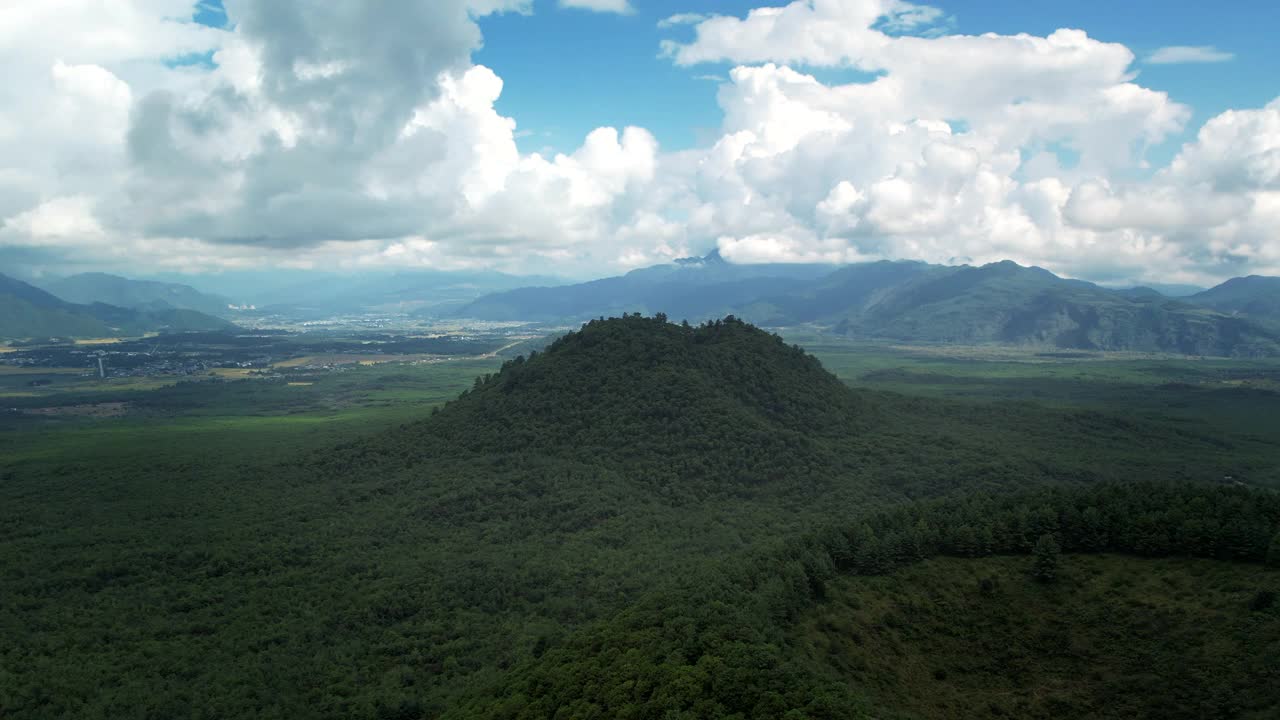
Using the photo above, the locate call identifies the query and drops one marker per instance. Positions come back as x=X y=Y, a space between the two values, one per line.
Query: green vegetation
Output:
x=1047 y=554
x=726 y=646
x=620 y=526
x=1116 y=637
x=1255 y=296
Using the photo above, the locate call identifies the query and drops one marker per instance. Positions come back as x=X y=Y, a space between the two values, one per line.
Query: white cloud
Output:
x=622 y=7
x=349 y=137
x=875 y=165
x=1238 y=150
x=1180 y=54
x=682 y=19
x=65 y=220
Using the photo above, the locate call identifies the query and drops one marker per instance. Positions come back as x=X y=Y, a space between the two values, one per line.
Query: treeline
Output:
x=1143 y=519
x=718 y=650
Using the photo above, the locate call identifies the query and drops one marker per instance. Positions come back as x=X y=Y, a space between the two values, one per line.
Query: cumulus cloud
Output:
x=318 y=126
x=682 y=19
x=1182 y=54
x=1238 y=150
x=878 y=165
x=324 y=135
x=622 y=7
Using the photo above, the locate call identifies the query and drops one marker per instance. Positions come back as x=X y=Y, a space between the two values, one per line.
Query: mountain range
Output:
x=918 y=302
x=29 y=312
x=89 y=288
x=693 y=288
x=898 y=301
x=1254 y=296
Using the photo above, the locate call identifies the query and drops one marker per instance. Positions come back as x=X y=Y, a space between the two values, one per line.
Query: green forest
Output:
x=644 y=519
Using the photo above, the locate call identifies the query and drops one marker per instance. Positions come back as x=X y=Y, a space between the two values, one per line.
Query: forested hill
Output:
x=654 y=398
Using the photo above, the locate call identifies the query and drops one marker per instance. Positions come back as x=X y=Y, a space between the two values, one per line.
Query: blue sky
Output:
x=568 y=71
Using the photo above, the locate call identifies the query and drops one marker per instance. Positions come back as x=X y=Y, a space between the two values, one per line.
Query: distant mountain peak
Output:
x=1009 y=266
x=711 y=258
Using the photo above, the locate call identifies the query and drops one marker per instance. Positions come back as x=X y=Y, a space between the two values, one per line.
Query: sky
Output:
x=1117 y=142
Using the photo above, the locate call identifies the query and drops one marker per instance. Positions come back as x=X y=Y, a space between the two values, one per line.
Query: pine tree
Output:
x=1046 y=552
x=1273 y=553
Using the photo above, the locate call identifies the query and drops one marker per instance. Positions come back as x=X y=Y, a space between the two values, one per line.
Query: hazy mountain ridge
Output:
x=90 y=288
x=29 y=312
x=1256 y=296
x=918 y=302
x=902 y=301
x=1007 y=303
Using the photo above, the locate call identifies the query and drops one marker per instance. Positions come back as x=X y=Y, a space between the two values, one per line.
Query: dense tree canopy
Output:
x=622 y=525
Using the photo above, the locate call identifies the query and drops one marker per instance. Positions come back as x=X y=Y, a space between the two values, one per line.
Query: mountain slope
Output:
x=843 y=294
x=1007 y=303
x=90 y=288
x=1171 y=290
x=724 y=404
x=27 y=311
x=648 y=451
x=1255 y=295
